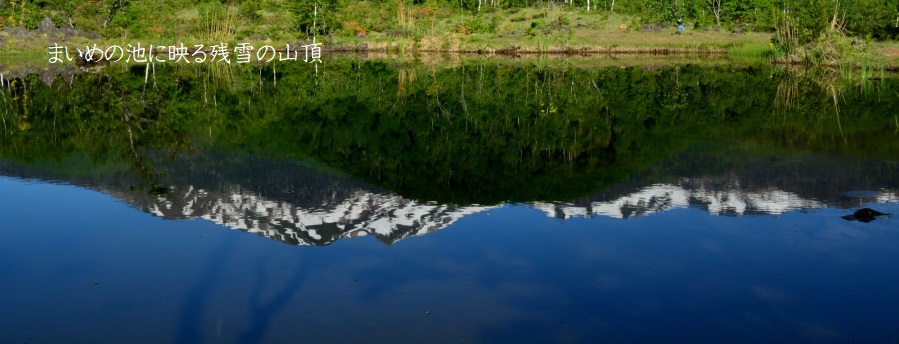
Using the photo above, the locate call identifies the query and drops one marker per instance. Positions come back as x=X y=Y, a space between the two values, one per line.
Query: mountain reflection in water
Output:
x=607 y=204
x=305 y=205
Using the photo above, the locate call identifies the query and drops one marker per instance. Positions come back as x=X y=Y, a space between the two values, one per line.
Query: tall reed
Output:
x=220 y=25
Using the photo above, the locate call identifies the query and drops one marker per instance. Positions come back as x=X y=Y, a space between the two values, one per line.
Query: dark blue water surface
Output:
x=81 y=266
x=458 y=201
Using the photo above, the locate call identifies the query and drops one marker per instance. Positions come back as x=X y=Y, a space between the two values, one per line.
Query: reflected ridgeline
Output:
x=419 y=147
x=292 y=202
x=299 y=204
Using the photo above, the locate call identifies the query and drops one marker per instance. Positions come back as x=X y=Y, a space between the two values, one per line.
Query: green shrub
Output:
x=536 y=28
x=483 y=23
x=249 y=9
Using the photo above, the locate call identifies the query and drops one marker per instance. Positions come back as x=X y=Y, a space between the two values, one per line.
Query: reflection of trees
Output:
x=851 y=109
x=814 y=82
x=468 y=134
x=107 y=118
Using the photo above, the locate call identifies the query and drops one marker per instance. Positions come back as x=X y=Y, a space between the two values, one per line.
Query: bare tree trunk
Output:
x=612 y=8
x=836 y=12
x=716 y=10
x=116 y=6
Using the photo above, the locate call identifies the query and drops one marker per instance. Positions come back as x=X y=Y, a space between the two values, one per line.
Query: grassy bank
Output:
x=420 y=29
x=553 y=30
x=529 y=30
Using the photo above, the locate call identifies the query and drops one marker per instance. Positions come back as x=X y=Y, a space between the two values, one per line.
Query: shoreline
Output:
x=39 y=48
x=879 y=57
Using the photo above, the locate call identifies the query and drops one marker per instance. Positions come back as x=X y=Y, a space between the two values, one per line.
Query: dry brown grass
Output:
x=890 y=52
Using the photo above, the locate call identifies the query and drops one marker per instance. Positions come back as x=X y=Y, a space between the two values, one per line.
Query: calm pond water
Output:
x=487 y=202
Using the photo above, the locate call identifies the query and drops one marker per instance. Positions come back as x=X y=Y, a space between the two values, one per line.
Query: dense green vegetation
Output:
x=472 y=133
x=482 y=25
x=872 y=18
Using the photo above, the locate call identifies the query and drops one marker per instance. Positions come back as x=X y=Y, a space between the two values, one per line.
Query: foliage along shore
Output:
x=743 y=29
x=21 y=44
x=530 y=133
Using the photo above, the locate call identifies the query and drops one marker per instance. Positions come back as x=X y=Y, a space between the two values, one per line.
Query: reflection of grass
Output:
x=866 y=76
x=452 y=60
x=220 y=73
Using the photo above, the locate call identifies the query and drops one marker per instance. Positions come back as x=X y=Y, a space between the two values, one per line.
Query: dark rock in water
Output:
x=864 y=215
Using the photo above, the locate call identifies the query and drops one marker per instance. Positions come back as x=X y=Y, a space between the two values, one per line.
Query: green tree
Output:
x=871 y=18
x=315 y=17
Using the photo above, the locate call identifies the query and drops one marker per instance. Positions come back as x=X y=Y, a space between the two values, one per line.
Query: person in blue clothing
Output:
x=680 y=24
